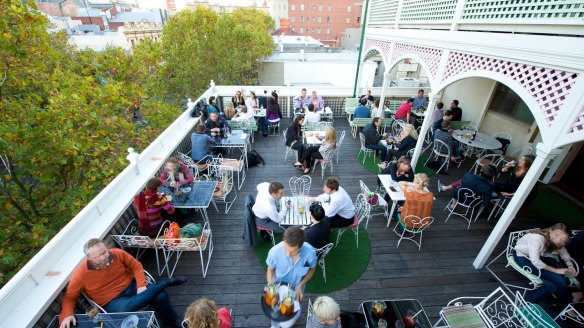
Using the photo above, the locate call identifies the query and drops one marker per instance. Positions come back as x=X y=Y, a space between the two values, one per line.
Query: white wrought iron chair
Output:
x=362 y=211
x=176 y=246
x=502 y=135
x=235 y=165
x=300 y=186
x=366 y=151
x=577 y=308
x=321 y=254
x=396 y=128
x=223 y=175
x=468 y=201
x=381 y=203
x=339 y=144
x=533 y=315
x=417 y=227
x=196 y=167
x=309 y=314
x=440 y=150
x=326 y=161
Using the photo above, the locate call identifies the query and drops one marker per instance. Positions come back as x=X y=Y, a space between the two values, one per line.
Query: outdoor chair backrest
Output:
x=362 y=140
x=532 y=315
x=467 y=198
x=498 y=310
x=360 y=122
x=396 y=127
x=362 y=208
x=300 y=186
x=457 y=125
x=415 y=224
x=441 y=148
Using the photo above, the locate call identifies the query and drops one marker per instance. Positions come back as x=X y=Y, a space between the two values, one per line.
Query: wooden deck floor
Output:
x=441 y=271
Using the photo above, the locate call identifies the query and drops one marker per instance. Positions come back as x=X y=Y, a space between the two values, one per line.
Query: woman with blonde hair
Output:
x=419 y=201
x=203 y=313
x=229 y=111
x=312 y=153
x=327 y=313
x=530 y=251
x=403 y=143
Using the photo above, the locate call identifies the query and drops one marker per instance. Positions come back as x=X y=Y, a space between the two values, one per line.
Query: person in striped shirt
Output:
x=444 y=134
x=149 y=206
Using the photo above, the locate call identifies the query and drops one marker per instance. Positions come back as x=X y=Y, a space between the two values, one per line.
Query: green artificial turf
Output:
x=372 y=167
x=344 y=264
x=557 y=208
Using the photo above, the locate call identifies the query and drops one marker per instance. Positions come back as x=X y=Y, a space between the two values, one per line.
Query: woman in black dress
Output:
x=294 y=137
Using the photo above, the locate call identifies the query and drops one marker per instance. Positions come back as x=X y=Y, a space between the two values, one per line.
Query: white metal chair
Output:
x=321 y=253
x=502 y=135
x=362 y=210
x=196 y=167
x=176 y=246
x=577 y=308
x=366 y=151
x=309 y=314
x=223 y=175
x=468 y=201
x=416 y=226
x=235 y=165
x=326 y=161
x=396 y=128
x=381 y=203
x=340 y=143
x=300 y=186
x=489 y=159
x=440 y=150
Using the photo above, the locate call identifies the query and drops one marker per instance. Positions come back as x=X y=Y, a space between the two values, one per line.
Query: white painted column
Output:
x=457 y=15
x=383 y=89
x=432 y=100
x=543 y=156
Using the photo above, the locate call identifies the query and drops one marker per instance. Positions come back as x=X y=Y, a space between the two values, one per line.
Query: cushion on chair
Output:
x=234 y=164
x=533 y=278
x=463 y=316
x=535 y=312
x=355 y=223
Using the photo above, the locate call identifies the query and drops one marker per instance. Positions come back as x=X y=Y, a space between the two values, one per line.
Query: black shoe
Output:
x=175 y=281
x=265 y=135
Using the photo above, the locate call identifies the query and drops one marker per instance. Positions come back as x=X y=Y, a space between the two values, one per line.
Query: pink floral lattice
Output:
x=549 y=87
x=385 y=46
x=431 y=56
x=579 y=124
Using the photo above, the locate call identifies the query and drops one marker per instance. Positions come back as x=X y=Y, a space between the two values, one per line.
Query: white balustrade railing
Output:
x=28 y=294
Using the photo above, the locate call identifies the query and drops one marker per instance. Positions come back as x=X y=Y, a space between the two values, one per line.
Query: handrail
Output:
x=28 y=294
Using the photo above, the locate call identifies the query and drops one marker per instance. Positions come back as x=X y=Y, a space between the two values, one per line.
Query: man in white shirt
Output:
x=267 y=206
x=337 y=204
x=311 y=116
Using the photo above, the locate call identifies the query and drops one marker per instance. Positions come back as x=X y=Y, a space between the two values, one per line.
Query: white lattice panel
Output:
x=430 y=56
x=382 y=12
x=548 y=87
x=385 y=46
x=425 y=11
x=579 y=125
x=521 y=9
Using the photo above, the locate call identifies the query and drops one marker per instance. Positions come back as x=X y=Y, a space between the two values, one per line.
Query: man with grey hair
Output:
x=115 y=280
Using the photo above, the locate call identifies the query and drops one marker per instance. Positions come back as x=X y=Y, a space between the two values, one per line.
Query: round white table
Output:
x=481 y=142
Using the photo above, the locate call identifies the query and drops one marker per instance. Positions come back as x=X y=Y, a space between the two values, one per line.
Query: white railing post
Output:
x=433 y=100
x=133 y=159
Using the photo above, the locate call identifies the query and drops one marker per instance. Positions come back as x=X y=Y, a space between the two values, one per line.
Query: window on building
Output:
x=328 y=19
x=301 y=7
x=313 y=7
x=292 y=7
x=348 y=20
x=301 y=19
x=318 y=31
x=329 y=8
x=313 y=19
x=319 y=19
x=292 y=19
x=313 y=30
x=301 y=30
x=349 y=9
x=359 y=20
x=319 y=7
x=328 y=31
x=507 y=102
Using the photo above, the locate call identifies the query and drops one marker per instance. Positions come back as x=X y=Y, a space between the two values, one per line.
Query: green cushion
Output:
x=533 y=278
x=463 y=316
x=534 y=314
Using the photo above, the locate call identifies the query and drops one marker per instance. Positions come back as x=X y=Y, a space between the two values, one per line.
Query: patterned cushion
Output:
x=463 y=316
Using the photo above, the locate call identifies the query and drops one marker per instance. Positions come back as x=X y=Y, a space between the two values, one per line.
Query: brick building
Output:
x=324 y=20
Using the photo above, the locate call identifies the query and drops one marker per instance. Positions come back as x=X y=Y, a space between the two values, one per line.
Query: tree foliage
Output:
x=200 y=45
x=65 y=126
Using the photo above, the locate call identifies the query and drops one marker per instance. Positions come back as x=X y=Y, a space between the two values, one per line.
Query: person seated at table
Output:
x=444 y=134
x=456 y=110
x=312 y=153
x=516 y=174
x=420 y=101
x=300 y=102
x=372 y=138
x=362 y=111
x=291 y=262
x=437 y=114
x=200 y=142
x=311 y=116
x=403 y=143
x=237 y=99
x=337 y=204
x=447 y=116
x=368 y=96
x=213 y=102
x=404 y=112
x=203 y=313
x=176 y=174
x=252 y=102
x=376 y=111
x=576 y=250
x=115 y=280
x=317 y=233
x=294 y=137
x=401 y=170
x=317 y=101
x=152 y=208
x=273 y=116
x=530 y=251
x=419 y=201
x=215 y=124
x=480 y=184
x=267 y=209
x=326 y=313
x=229 y=111
x=244 y=114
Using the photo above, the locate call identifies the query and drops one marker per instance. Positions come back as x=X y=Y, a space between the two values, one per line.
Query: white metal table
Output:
x=294 y=215
x=394 y=192
x=482 y=141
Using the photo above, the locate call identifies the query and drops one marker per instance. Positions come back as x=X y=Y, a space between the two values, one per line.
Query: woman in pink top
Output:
x=404 y=112
x=203 y=313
